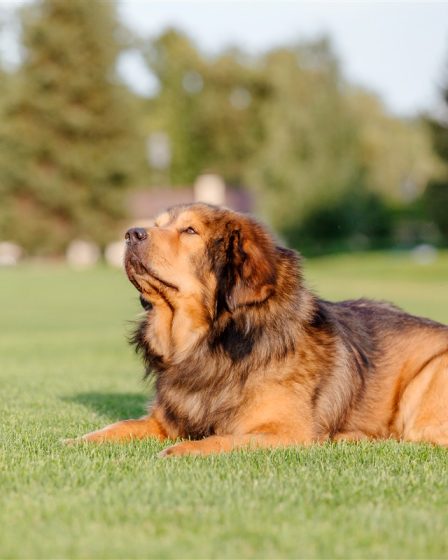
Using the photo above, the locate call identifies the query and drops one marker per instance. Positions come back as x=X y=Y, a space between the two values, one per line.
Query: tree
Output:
x=5 y=81
x=309 y=157
x=324 y=159
x=436 y=195
x=70 y=145
x=396 y=154
x=209 y=107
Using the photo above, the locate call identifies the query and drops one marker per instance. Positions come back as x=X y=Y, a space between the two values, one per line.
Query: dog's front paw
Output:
x=183 y=448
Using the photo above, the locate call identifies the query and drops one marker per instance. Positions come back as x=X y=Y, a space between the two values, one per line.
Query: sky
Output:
x=397 y=49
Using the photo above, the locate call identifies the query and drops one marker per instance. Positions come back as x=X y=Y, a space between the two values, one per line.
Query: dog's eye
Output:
x=190 y=231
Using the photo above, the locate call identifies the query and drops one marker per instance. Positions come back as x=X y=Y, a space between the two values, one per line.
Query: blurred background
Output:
x=328 y=120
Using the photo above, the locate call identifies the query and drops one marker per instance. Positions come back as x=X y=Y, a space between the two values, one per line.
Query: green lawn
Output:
x=65 y=368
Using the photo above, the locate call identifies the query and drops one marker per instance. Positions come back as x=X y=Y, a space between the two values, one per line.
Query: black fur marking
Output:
x=170 y=414
x=316 y=394
x=234 y=342
x=147 y=305
x=320 y=318
x=226 y=274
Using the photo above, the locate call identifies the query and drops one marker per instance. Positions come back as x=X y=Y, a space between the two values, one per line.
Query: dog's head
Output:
x=203 y=252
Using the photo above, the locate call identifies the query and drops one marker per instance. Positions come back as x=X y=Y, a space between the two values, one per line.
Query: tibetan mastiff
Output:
x=246 y=356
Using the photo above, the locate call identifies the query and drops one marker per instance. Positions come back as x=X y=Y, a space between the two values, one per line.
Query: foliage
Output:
x=308 y=158
x=439 y=128
x=312 y=148
x=395 y=154
x=436 y=195
x=208 y=107
x=69 y=146
x=357 y=220
x=5 y=82
x=278 y=123
x=323 y=159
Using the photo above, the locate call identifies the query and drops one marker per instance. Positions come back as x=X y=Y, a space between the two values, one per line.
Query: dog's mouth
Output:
x=140 y=273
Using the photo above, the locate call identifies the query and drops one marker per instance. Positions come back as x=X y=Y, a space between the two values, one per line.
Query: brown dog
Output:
x=246 y=356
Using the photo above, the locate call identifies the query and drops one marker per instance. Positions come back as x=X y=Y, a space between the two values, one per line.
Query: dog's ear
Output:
x=249 y=274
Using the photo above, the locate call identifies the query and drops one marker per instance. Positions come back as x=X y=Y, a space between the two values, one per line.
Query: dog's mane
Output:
x=259 y=329
x=237 y=344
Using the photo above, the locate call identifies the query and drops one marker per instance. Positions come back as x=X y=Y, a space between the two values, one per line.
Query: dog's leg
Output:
x=424 y=405
x=126 y=430
x=437 y=434
x=224 y=444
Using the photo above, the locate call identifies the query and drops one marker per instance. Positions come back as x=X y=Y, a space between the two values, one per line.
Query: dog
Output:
x=246 y=356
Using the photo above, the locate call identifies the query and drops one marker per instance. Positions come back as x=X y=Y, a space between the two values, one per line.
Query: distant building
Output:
x=143 y=204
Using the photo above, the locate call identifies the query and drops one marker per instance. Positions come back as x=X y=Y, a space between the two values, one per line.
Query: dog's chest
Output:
x=197 y=414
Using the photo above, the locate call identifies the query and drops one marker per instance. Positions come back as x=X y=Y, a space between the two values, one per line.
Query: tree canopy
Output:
x=290 y=127
x=437 y=190
x=323 y=159
x=69 y=144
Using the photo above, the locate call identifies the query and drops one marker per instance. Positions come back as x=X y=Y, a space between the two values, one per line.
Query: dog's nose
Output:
x=135 y=235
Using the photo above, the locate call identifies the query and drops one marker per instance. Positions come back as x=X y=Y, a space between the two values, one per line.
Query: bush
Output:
x=358 y=220
x=436 y=201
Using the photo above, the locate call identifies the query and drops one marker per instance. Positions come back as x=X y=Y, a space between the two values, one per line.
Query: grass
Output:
x=65 y=368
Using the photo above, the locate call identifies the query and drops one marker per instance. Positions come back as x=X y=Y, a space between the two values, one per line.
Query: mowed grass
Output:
x=65 y=368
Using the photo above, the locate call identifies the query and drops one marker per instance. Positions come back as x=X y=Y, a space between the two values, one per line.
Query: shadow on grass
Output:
x=117 y=406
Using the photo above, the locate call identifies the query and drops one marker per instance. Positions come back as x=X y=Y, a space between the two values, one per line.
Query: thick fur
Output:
x=245 y=355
